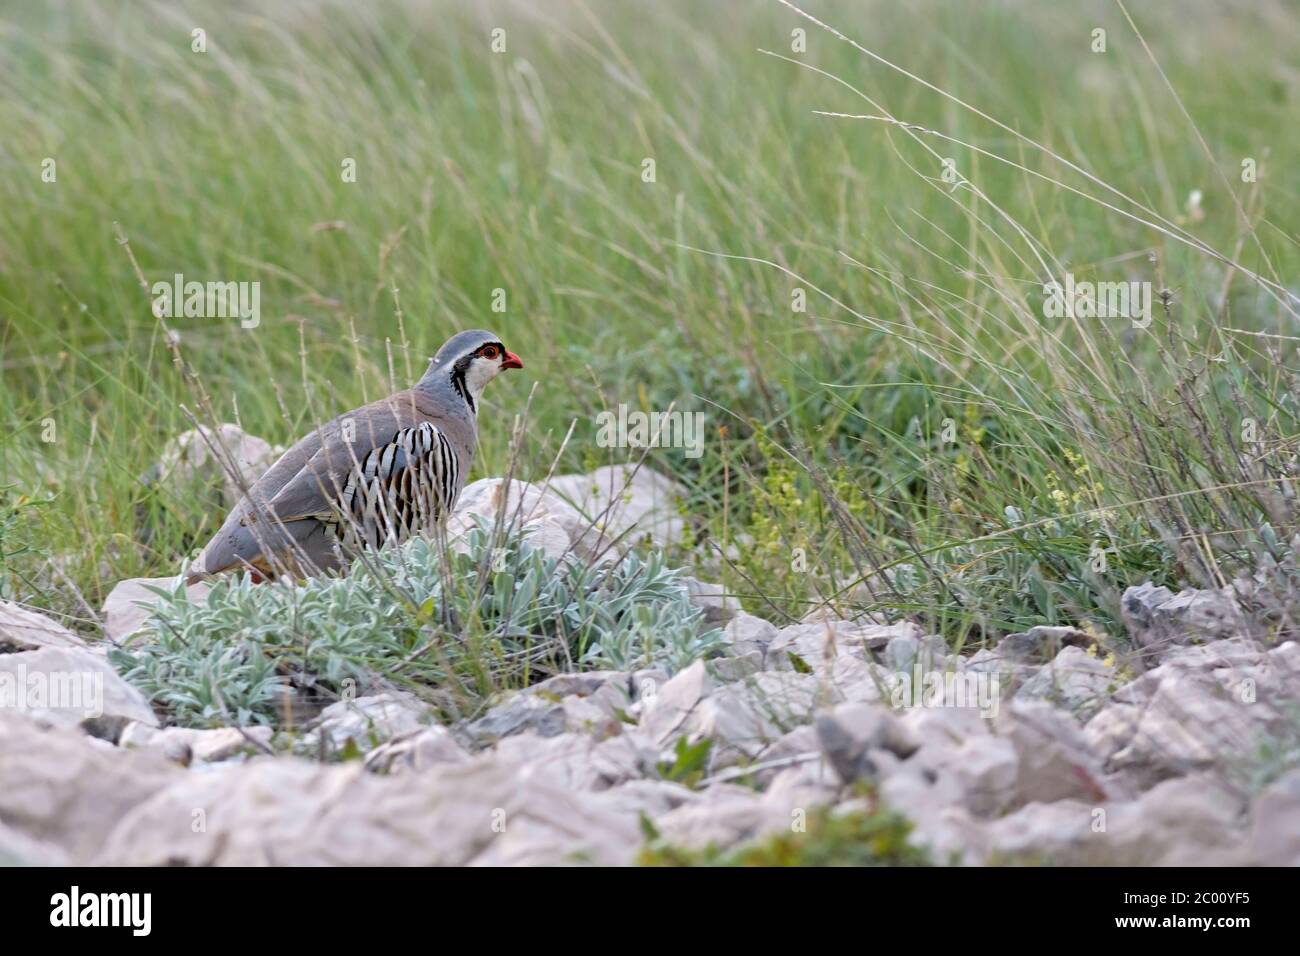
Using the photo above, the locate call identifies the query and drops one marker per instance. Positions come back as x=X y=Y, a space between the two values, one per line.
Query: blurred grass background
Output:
x=920 y=440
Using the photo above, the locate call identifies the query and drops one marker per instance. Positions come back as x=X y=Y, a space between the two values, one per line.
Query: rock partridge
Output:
x=375 y=475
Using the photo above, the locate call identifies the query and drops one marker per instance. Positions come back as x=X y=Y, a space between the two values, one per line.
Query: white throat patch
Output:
x=480 y=372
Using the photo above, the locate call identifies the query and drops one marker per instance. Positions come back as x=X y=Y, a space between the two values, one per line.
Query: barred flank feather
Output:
x=399 y=489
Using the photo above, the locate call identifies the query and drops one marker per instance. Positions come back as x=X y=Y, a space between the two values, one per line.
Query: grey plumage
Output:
x=377 y=474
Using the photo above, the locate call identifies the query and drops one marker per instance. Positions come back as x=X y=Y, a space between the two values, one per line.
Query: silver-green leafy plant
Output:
x=519 y=615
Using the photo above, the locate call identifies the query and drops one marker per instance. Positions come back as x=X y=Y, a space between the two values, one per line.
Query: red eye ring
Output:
x=489 y=352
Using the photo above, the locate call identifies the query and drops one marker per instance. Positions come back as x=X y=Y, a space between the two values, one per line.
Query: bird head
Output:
x=468 y=361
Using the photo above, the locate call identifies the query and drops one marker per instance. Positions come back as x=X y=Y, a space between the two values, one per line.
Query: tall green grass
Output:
x=828 y=475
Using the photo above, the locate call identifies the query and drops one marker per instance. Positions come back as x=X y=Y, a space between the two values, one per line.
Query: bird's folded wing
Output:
x=419 y=450
x=314 y=491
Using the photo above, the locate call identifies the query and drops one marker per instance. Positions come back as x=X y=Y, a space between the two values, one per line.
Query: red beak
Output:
x=511 y=361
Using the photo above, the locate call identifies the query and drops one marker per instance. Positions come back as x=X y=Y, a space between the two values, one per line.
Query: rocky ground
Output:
x=1042 y=749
